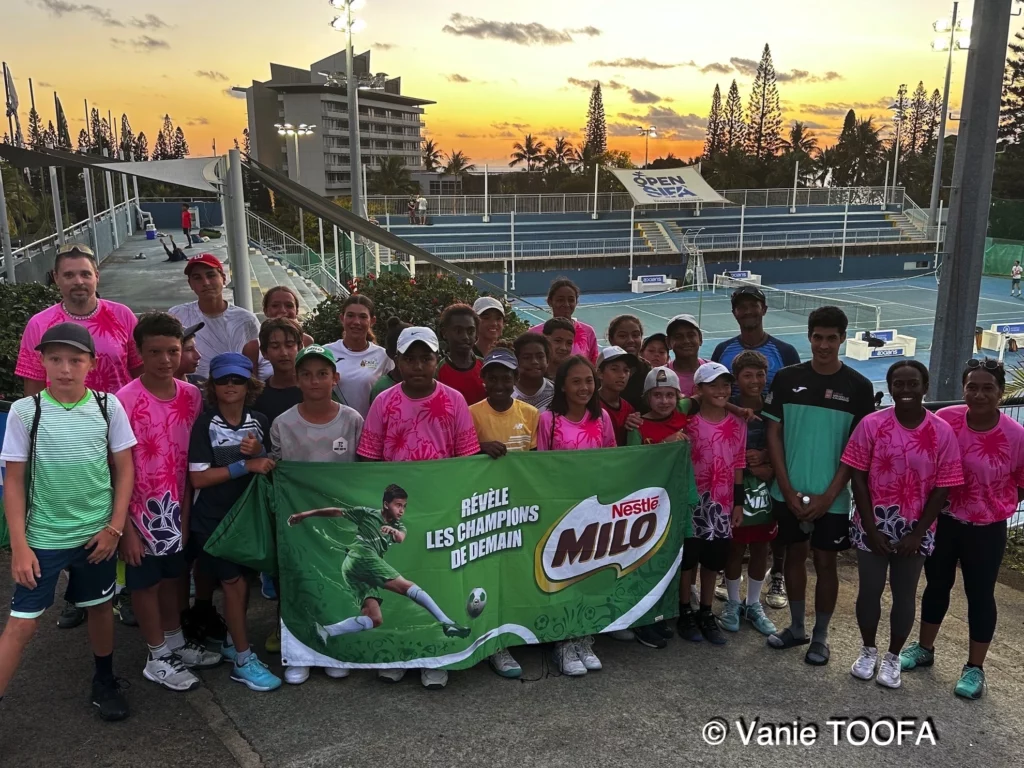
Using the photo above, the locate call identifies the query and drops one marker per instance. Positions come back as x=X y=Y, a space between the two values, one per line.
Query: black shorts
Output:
x=830 y=532
x=154 y=569
x=709 y=553
x=216 y=568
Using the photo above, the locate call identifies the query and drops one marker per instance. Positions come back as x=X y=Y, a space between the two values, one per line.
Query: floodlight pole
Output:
x=597 y=168
x=487 y=210
x=937 y=172
x=885 y=187
x=238 y=243
x=352 y=94
x=58 y=219
x=512 y=219
x=743 y=216
x=796 y=179
x=632 y=219
x=5 y=237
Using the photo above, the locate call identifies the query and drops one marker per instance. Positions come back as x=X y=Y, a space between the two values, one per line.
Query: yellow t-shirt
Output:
x=516 y=427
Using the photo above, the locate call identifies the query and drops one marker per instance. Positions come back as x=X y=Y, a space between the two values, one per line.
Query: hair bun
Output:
x=393 y=322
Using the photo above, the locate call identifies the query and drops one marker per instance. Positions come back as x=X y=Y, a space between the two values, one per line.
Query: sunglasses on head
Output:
x=231 y=378
x=988 y=364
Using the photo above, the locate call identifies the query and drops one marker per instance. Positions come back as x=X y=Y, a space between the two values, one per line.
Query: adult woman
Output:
x=360 y=361
x=627 y=331
x=279 y=301
x=972 y=529
x=563 y=296
x=492 y=324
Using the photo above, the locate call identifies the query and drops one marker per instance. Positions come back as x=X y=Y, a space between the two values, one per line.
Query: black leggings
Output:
x=904 y=574
x=979 y=550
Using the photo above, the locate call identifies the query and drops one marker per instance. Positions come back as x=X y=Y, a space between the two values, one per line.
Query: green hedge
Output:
x=17 y=304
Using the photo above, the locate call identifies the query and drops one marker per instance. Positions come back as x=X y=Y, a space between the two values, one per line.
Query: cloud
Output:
x=44 y=84
x=234 y=94
x=104 y=16
x=631 y=63
x=198 y=121
x=611 y=85
x=212 y=74
x=671 y=125
x=744 y=66
x=142 y=44
x=383 y=46
x=721 y=69
x=513 y=32
x=748 y=67
x=149 y=21
x=457 y=78
x=836 y=109
x=505 y=126
x=467 y=136
x=804 y=75
x=643 y=97
x=815 y=125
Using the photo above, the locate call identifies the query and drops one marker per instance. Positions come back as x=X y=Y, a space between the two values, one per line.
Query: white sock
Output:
x=754 y=590
x=420 y=597
x=732 y=586
x=348 y=626
x=159 y=651
x=175 y=639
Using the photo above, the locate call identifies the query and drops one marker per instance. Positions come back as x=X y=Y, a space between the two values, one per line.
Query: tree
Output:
x=596 y=134
x=900 y=108
x=391 y=178
x=141 y=146
x=50 y=135
x=101 y=136
x=917 y=119
x=162 y=150
x=457 y=164
x=735 y=128
x=558 y=156
x=860 y=154
x=800 y=141
x=528 y=151
x=714 y=141
x=35 y=129
x=1011 y=108
x=127 y=141
x=764 y=115
x=432 y=156
x=583 y=158
x=63 y=132
x=179 y=147
x=246 y=143
x=84 y=143
x=931 y=126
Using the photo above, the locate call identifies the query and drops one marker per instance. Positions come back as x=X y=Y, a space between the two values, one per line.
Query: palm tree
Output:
x=432 y=155
x=583 y=157
x=457 y=164
x=800 y=141
x=391 y=178
x=560 y=155
x=528 y=151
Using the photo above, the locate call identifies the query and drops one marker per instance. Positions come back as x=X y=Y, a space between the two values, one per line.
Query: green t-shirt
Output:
x=368 y=524
x=382 y=384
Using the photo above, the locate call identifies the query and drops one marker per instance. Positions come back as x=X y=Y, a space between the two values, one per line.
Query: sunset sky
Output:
x=496 y=69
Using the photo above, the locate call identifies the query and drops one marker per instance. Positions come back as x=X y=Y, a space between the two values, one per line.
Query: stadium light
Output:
x=954 y=26
x=294 y=131
x=648 y=134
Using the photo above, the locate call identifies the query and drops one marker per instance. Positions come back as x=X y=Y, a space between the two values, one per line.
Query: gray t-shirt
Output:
x=541 y=399
x=295 y=439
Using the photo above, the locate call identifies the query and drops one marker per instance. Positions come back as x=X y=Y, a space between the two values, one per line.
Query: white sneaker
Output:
x=296 y=675
x=504 y=664
x=889 y=671
x=197 y=656
x=585 y=652
x=864 y=667
x=169 y=672
x=434 y=679
x=336 y=673
x=393 y=675
x=567 y=659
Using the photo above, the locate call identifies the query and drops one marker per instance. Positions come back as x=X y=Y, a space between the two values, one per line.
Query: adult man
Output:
x=186 y=224
x=1015 y=273
x=226 y=328
x=812 y=408
x=421 y=210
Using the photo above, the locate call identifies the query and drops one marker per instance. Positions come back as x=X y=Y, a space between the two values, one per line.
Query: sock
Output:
x=796 y=613
x=732 y=586
x=243 y=656
x=975 y=666
x=174 y=639
x=754 y=587
x=353 y=624
x=820 y=633
x=158 y=651
x=104 y=667
x=705 y=608
x=420 y=597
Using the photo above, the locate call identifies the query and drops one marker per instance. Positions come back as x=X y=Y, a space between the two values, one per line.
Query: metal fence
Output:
x=809 y=238
x=542 y=249
x=273 y=240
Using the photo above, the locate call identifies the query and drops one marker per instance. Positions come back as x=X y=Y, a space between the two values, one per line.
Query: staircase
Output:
x=910 y=228
x=277 y=258
x=656 y=237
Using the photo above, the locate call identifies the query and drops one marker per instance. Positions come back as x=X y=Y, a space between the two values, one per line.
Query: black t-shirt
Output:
x=634 y=391
x=272 y=402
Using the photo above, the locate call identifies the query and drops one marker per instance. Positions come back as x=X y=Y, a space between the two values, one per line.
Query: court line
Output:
x=1017 y=303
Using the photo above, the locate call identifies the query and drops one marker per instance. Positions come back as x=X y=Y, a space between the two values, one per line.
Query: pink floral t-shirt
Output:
x=111 y=327
x=162 y=428
x=583 y=343
x=717 y=450
x=686 y=385
x=993 y=464
x=557 y=433
x=438 y=426
x=903 y=466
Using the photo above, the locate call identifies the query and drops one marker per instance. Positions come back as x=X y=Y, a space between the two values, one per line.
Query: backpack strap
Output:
x=37 y=400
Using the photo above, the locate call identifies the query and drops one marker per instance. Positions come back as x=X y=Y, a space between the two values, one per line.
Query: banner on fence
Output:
x=667 y=185
x=439 y=564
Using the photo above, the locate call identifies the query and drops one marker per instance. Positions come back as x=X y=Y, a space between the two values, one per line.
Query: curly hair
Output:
x=254 y=387
x=157 y=324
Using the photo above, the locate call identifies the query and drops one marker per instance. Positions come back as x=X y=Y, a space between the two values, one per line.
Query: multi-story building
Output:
x=390 y=124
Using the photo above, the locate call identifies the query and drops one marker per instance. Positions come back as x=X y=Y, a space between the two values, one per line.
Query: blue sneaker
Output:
x=267 y=587
x=755 y=615
x=255 y=675
x=971 y=684
x=228 y=652
x=730 y=618
x=916 y=655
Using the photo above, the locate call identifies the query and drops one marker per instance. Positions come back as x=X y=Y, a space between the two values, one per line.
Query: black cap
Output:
x=71 y=334
x=748 y=290
x=192 y=330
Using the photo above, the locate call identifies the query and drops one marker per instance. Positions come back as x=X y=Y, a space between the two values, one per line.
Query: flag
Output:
x=12 y=106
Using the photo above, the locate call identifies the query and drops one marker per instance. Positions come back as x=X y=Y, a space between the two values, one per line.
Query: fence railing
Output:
x=103 y=244
x=276 y=241
x=325 y=280
x=809 y=238
x=538 y=250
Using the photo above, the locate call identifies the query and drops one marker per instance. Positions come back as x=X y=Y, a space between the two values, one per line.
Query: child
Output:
x=226 y=447
x=575 y=422
x=627 y=331
x=316 y=429
x=62 y=512
x=161 y=411
x=655 y=350
x=190 y=356
x=420 y=419
x=614 y=366
x=563 y=297
x=719 y=440
x=532 y=353
x=559 y=333
x=279 y=302
x=758 y=529
x=392 y=377
x=461 y=368
x=685 y=338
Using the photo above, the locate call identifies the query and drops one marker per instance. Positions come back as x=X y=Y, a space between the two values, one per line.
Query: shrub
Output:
x=17 y=304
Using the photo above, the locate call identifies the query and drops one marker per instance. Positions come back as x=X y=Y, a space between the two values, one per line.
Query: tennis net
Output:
x=861 y=316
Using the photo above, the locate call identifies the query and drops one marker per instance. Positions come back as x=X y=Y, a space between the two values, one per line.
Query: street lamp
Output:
x=896 y=163
x=648 y=134
x=294 y=131
x=952 y=25
x=351 y=26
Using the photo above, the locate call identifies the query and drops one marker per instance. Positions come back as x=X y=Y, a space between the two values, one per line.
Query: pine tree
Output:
x=179 y=147
x=596 y=137
x=735 y=128
x=901 y=109
x=35 y=129
x=127 y=145
x=84 y=143
x=162 y=151
x=764 y=115
x=141 y=146
x=98 y=139
x=715 y=139
x=63 y=132
x=917 y=119
x=1011 y=109
x=246 y=143
x=931 y=126
x=50 y=135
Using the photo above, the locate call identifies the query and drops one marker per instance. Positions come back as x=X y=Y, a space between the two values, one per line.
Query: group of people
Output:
x=137 y=435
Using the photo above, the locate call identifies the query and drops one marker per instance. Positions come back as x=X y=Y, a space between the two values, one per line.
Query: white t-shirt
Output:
x=359 y=371
x=226 y=332
x=421 y=203
x=1015 y=271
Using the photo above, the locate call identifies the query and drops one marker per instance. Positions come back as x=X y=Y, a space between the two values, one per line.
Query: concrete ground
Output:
x=645 y=706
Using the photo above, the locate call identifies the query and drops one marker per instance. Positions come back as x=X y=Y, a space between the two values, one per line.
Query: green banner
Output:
x=441 y=563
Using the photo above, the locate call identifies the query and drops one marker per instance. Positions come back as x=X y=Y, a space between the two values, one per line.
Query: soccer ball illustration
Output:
x=476 y=603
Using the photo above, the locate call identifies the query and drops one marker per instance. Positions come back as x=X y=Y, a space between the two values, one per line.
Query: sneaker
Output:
x=504 y=664
x=662 y=628
x=687 y=627
x=170 y=672
x=267 y=587
x=916 y=655
x=455 y=630
x=889 y=671
x=337 y=673
x=971 y=684
x=71 y=616
x=255 y=675
x=123 y=608
x=776 y=597
x=296 y=675
x=108 y=698
x=393 y=675
x=434 y=679
x=273 y=644
x=197 y=656
x=709 y=627
x=624 y=635
x=649 y=637
x=864 y=667
x=567 y=659
x=229 y=652
x=585 y=652
x=731 y=615
x=754 y=613
x=721 y=591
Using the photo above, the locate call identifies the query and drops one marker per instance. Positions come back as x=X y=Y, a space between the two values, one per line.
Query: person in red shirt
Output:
x=186 y=224
x=461 y=368
x=614 y=367
x=666 y=419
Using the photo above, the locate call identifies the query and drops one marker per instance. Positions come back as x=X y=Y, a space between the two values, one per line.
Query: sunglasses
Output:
x=231 y=379
x=84 y=250
x=988 y=364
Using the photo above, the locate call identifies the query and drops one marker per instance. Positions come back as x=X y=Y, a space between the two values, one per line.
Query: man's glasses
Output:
x=988 y=364
x=232 y=379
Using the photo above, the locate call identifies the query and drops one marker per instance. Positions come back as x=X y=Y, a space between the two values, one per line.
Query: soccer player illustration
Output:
x=365 y=570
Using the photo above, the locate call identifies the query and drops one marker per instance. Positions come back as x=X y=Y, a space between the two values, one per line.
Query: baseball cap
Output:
x=661 y=377
x=608 y=354
x=417 y=333
x=501 y=356
x=711 y=371
x=688 y=319
x=315 y=350
x=654 y=337
x=484 y=303
x=192 y=330
x=205 y=260
x=70 y=334
x=748 y=290
x=230 y=364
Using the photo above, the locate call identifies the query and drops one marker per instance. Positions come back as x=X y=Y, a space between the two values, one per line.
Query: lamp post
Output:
x=648 y=134
x=896 y=161
x=293 y=132
x=349 y=25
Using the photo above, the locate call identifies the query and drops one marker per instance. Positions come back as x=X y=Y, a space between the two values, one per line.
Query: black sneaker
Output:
x=663 y=629
x=123 y=608
x=71 y=616
x=649 y=637
x=687 y=626
x=709 y=627
x=107 y=697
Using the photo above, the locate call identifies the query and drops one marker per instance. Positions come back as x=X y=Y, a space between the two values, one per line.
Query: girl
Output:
x=461 y=368
x=575 y=422
x=532 y=353
x=392 y=377
x=492 y=324
x=904 y=460
x=971 y=530
x=563 y=297
x=627 y=331
x=655 y=350
x=559 y=333
x=279 y=301
x=685 y=338
x=360 y=362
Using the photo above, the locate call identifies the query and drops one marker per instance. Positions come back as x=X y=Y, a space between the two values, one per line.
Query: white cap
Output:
x=484 y=303
x=661 y=377
x=417 y=333
x=689 y=319
x=608 y=354
x=709 y=372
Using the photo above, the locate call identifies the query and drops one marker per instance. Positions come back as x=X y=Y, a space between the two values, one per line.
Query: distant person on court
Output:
x=174 y=253
x=186 y=224
x=1015 y=272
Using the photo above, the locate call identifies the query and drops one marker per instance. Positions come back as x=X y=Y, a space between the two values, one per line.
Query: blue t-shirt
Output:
x=778 y=353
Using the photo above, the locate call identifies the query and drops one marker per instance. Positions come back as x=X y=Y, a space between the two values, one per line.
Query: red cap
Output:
x=204 y=259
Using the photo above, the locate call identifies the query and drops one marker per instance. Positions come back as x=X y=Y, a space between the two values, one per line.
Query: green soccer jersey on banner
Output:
x=369 y=522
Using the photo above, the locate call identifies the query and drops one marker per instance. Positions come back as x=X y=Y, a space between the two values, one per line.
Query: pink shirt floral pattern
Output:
x=111 y=327
x=717 y=450
x=583 y=343
x=399 y=428
x=993 y=465
x=904 y=466
x=557 y=433
x=162 y=428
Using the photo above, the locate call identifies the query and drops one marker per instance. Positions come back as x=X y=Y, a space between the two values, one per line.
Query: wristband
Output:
x=739 y=495
x=238 y=469
x=112 y=530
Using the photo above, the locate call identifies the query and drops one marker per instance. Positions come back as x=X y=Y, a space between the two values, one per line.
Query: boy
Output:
x=317 y=429
x=190 y=356
x=63 y=512
x=655 y=350
x=161 y=411
x=1015 y=273
x=685 y=337
x=461 y=367
x=614 y=366
x=532 y=353
x=503 y=423
x=561 y=334
x=186 y=224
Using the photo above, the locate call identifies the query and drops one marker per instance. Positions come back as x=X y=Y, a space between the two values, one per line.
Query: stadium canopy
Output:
x=667 y=185
x=21 y=157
